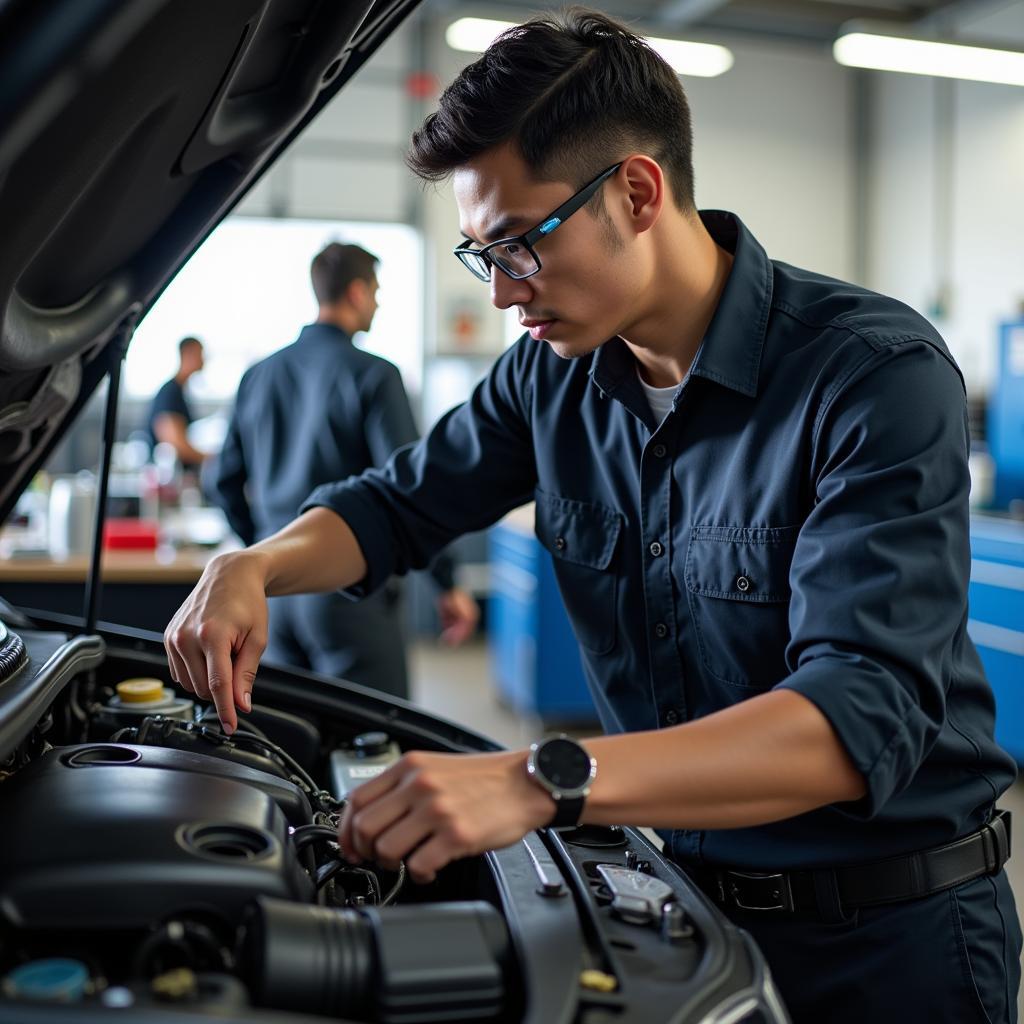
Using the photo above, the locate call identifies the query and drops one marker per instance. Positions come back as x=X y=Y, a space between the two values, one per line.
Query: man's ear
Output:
x=356 y=291
x=645 y=190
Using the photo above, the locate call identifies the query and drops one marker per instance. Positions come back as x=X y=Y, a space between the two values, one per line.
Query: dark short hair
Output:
x=188 y=343
x=334 y=268
x=574 y=93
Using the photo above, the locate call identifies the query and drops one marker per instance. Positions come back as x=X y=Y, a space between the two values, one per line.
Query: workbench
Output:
x=140 y=588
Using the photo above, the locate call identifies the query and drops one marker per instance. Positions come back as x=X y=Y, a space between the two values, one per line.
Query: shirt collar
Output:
x=319 y=331
x=730 y=353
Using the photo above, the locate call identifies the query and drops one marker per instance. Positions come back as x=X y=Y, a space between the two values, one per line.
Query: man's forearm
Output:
x=769 y=758
x=316 y=552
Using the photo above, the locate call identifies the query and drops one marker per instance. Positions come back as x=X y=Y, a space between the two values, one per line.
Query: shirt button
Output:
x=671 y=717
x=655 y=549
x=560 y=543
x=744 y=584
x=660 y=451
x=661 y=631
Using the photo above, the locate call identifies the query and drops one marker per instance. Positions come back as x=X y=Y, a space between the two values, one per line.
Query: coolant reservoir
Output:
x=140 y=697
x=141 y=691
x=369 y=754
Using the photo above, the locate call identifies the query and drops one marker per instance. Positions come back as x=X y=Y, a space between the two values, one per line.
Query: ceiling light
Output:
x=881 y=52
x=703 y=60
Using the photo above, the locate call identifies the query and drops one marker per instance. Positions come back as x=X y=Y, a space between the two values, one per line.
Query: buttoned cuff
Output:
x=443 y=572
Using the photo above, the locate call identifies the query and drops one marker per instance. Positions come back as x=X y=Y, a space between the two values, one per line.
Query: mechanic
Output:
x=317 y=411
x=169 y=412
x=753 y=482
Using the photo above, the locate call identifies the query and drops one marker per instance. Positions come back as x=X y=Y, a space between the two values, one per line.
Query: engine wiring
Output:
x=305 y=835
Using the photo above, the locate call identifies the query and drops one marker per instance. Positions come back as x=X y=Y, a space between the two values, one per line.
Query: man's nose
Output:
x=506 y=291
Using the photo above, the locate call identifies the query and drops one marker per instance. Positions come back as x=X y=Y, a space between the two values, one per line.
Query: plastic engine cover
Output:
x=95 y=834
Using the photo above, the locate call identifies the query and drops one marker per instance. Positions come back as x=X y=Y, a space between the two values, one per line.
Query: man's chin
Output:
x=565 y=348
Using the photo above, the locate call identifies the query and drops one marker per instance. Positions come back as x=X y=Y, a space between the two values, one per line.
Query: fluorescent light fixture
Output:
x=881 y=52
x=703 y=60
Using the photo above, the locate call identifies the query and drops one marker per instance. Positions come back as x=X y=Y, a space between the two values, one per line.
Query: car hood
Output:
x=127 y=132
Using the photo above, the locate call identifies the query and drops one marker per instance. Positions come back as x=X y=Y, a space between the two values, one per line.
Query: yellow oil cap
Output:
x=140 y=691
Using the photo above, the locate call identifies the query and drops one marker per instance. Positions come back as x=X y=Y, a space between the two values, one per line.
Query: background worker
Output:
x=169 y=412
x=317 y=411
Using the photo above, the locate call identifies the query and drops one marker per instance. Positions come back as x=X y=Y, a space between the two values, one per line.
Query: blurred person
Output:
x=753 y=481
x=314 y=412
x=169 y=412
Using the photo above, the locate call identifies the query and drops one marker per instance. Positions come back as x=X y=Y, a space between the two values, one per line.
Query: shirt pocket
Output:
x=582 y=538
x=737 y=582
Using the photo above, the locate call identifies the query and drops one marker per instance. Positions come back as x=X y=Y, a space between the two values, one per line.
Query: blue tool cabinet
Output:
x=1006 y=416
x=534 y=655
x=996 y=620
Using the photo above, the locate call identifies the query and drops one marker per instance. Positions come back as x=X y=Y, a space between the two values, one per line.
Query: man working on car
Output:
x=316 y=411
x=753 y=482
x=169 y=412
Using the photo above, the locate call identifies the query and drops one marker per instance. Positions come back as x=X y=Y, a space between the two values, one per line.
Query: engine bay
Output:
x=152 y=862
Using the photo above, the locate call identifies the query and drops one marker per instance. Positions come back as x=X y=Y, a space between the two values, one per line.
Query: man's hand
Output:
x=459 y=614
x=216 y=638
x=430 y=809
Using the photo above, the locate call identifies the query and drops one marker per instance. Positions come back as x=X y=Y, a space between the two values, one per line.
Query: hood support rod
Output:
x=94 y=583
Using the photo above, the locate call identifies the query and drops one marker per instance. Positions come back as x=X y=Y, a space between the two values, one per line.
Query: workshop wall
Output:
x=947 y=199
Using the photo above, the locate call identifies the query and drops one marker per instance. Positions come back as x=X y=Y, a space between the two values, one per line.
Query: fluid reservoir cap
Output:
x=57 y=979
x=371 y=744
x=140 y=691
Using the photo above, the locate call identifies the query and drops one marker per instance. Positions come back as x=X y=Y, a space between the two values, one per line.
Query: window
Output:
x=246 y=293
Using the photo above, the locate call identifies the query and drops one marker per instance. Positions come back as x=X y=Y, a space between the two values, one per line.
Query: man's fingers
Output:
x=369 y=824
x=433 y=855
x=457 y=633
x=190 y=665
x=243 y=674
x=219 y=673
x=178 y=671
x=396 y=842
x=364 y=796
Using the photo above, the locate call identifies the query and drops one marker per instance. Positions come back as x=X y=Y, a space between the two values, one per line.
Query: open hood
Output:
x=127 y=132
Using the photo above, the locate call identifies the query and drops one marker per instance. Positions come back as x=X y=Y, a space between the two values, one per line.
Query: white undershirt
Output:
x=660 y=398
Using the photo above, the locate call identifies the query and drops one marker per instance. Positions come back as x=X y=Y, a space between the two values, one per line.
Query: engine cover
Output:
x=102 y=835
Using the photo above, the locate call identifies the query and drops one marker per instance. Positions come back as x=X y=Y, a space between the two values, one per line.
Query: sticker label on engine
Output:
x=366 y=771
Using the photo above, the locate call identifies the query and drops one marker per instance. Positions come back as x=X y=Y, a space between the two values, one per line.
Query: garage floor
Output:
x=458 y=685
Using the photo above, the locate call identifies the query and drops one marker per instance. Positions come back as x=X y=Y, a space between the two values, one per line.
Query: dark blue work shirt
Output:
x=319 y=409
x=169 y=399
x=799 y=520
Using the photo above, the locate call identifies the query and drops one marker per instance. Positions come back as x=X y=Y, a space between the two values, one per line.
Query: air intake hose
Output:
x=393 y=965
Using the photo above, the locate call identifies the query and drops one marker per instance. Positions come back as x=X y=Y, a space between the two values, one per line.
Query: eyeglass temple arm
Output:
x=569 y=207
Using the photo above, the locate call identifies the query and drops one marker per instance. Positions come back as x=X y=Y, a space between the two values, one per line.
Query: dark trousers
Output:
x=949 y=958
x=362 y=642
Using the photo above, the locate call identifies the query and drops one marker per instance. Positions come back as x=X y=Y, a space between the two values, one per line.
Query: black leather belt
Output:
x=907 y=877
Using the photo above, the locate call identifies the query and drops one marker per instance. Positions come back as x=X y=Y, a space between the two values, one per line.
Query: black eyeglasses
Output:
x=515 y=256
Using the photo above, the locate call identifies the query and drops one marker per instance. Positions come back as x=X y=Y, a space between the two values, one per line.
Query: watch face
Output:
x=565 y=764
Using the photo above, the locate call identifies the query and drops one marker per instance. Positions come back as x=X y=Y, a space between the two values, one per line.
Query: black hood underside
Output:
x=127 y=132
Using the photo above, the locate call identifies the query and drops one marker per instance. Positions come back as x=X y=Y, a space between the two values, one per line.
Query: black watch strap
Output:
x=567 y=812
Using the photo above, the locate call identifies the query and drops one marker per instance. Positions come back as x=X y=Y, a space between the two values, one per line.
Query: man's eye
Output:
x=512 y=249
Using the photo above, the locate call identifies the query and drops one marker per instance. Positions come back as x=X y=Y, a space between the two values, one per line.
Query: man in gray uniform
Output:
x=317 y=411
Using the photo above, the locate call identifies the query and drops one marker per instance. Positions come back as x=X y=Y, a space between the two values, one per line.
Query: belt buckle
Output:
x=751 y=891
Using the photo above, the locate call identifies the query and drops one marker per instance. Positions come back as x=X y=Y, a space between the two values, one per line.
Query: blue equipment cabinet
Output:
x=996 y=622
x=534 y=655
x=1006 y=416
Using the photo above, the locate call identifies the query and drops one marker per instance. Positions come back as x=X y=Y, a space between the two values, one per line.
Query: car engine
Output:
x=152 y=865
x=169 y=863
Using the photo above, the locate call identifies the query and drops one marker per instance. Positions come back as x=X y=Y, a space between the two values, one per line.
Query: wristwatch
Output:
x=563 y=768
